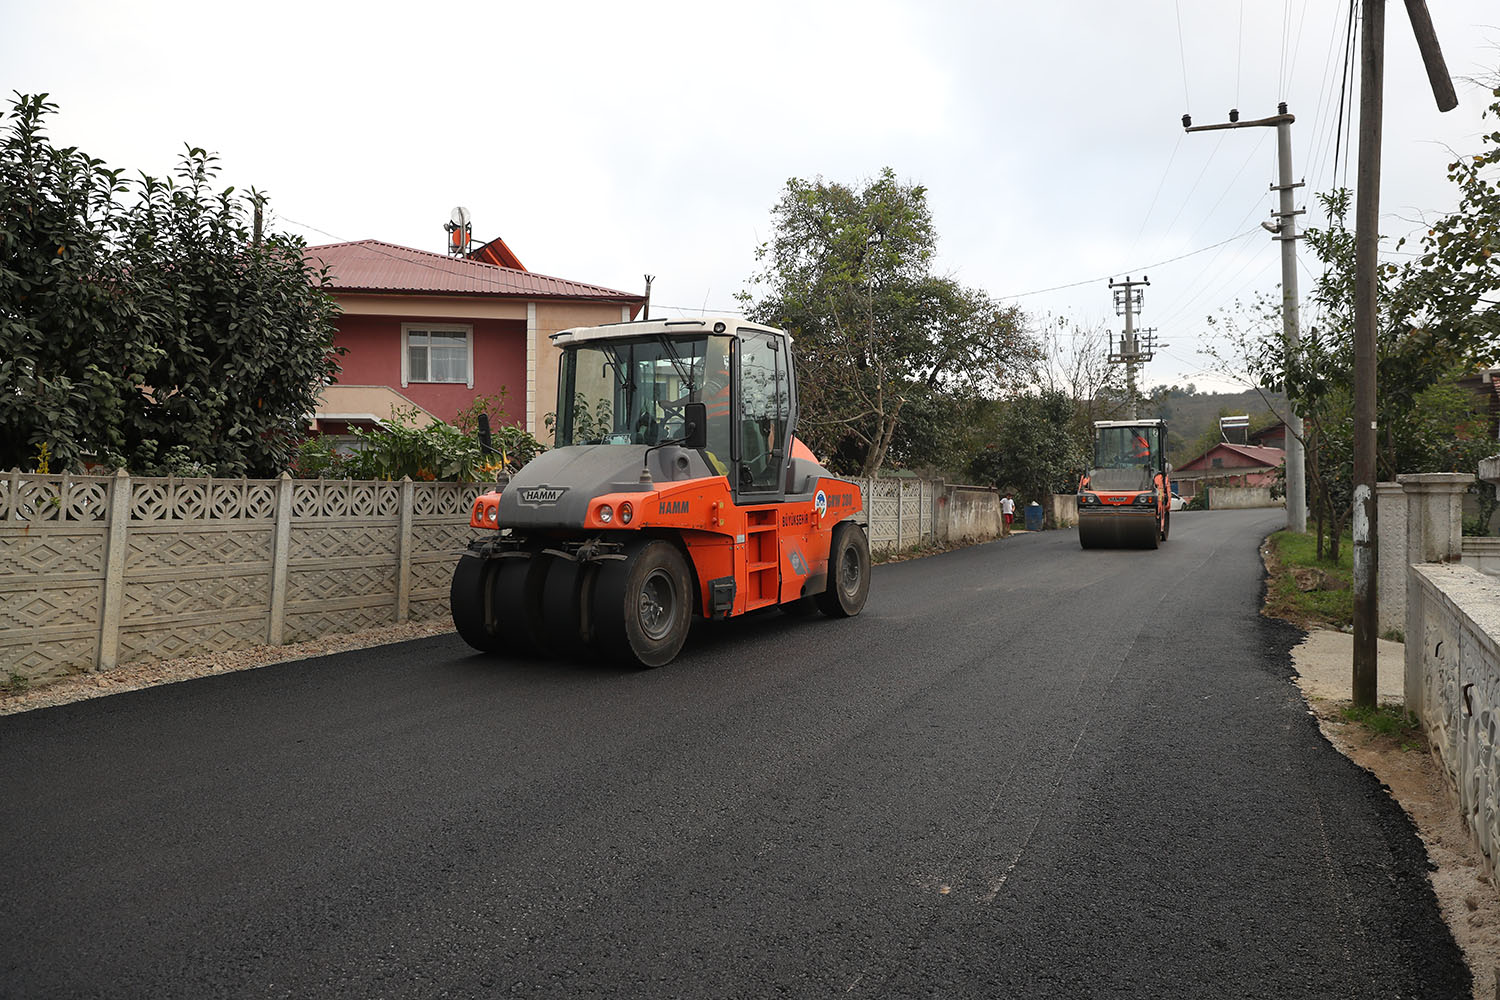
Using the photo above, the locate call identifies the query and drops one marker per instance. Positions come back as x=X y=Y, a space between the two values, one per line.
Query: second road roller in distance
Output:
x=1125 y=499
x=677 y=489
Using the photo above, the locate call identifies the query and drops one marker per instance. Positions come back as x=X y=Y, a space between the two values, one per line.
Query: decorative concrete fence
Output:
x=98 y=571
x=902 y=512
x=1451 y=617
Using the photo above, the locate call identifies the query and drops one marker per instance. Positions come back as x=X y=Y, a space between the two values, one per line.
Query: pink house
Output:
x=435 y=331
x=1229 y=465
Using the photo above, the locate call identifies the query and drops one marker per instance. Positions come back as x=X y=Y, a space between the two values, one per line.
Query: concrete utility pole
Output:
x=1285 y=231
x=1366 y=263
x=1127 y=302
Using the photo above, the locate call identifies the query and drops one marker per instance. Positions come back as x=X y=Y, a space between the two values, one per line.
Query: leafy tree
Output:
x=152 y=331
x=849 y=272
x=1038 y=448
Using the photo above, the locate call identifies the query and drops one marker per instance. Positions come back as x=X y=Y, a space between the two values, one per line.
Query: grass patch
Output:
x=1386 y=720
x=15 y=683
x=1292 y=562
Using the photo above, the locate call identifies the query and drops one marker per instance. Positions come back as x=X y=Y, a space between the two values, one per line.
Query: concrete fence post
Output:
x=281 y=541
x=1390 y=586
x=900 y=514
x=116 y=539
x=1434 y=533
x=403 y=553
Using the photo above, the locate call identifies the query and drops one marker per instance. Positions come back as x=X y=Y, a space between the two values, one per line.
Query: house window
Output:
x=437 y=354
x=1218 y=463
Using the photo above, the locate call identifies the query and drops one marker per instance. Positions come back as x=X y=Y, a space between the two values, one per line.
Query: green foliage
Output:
x=402 y=448
x=1291 y=552
x=1038 y=448
x=151 y=331
x=849 y=272
x=1386 y=720
x=316 y=457
x=513 y=446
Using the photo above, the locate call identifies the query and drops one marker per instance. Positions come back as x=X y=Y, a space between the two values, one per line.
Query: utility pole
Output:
x=1127 y=302
x=1366 y=262
x=1284 y=230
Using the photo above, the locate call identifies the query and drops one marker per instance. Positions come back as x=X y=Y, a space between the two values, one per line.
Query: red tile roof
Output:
x=375 y=266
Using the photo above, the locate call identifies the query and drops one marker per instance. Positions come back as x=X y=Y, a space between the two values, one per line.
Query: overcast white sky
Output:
x=604 y=141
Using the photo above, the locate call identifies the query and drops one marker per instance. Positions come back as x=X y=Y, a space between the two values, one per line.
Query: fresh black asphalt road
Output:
x=1026 y=770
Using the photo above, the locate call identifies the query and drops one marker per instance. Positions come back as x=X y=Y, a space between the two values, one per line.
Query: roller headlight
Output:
x=493 y=515
x=626 y=512
x=1146 y=499
x=606 y=513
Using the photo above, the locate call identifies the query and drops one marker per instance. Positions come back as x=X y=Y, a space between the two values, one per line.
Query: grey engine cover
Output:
x=554 y=489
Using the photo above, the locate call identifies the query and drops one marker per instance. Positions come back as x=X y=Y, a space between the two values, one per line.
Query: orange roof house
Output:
x=436 y=331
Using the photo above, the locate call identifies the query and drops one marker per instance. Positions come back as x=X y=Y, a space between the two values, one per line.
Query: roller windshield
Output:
x=632 y=392
x=1127 y=447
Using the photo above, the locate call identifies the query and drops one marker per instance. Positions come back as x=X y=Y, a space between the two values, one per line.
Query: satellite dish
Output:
x=460 y=216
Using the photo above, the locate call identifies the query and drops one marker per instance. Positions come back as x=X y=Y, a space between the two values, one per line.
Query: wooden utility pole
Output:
x=1366 y=261
x=1366 y=264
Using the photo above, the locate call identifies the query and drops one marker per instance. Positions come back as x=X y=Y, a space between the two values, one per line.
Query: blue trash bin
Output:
x=1033 y=516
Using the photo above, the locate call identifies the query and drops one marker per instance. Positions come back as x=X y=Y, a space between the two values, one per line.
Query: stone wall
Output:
x=1451 y=616
x=1482 y=554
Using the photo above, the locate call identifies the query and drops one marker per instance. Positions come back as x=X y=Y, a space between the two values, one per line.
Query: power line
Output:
x=1140 y=267
x=1182 y=58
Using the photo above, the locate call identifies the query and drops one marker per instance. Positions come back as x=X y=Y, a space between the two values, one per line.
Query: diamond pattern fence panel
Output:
x=53 y=542
x=97 y=571
x=197 y=566
x=902 y=512
x=439 y=532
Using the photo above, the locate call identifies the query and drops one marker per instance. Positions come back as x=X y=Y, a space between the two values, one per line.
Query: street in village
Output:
x=1026 y=770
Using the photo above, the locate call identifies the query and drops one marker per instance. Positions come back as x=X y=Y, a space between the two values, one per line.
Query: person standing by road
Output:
x=1008 y=510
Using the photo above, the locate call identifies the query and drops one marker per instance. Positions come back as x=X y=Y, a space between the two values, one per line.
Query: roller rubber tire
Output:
x=470 y=598
x=565 y=591
x=643 y=605
x=495 y=604
x=848 y=572
x=1166 y=525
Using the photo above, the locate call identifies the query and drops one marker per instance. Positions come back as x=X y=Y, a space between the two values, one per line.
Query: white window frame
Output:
x=449 y=328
